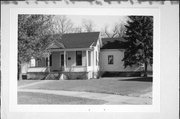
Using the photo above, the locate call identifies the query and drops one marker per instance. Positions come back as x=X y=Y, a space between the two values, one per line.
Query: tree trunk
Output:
x=145 y=69
x=19 y=72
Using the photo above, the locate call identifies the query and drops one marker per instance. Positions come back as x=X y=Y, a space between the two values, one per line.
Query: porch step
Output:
x=53 y=76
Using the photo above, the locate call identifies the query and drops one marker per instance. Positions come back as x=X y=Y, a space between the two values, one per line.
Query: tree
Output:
x=117 y=31
x=77 y=29
x=139 y=37
x=62 y=25
x=88 y=26
x=31 y=32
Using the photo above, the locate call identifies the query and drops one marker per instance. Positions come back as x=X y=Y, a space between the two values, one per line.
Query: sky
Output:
x=99 y=21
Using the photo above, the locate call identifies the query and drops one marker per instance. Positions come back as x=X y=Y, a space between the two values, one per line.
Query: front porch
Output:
x=70 y=60
x=67 y=63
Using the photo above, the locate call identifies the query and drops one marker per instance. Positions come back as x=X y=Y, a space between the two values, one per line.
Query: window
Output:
x=79 y=58
x=62 y=59
x=46 y=61
x=110 y=59
x=89 y=56
x=33 y=62
x=50 y=60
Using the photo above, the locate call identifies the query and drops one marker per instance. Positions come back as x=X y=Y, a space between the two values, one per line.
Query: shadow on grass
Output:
x=141 y=79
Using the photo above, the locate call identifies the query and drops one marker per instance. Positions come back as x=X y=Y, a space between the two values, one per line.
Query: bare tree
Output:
x=62 y=25
x=77 y=29
x=112 y=34
x=117 y=31
x=121 y=29
x=88 y=25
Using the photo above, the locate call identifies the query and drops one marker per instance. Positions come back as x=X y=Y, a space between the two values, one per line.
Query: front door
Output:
x=55 y=61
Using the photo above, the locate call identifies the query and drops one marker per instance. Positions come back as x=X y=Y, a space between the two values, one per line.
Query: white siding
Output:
x=117 y=61
x=83 y=58
x=118 y=64
x=37 y=69
x=76 y=69
x=96 y=57
x=24 y=68
x=72 y=58
x=71 y=63
x=33 y=62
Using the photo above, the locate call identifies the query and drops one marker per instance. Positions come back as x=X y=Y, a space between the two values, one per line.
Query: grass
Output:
x=147 y=79
x=24 y=82
x=131 y=87
x=39 y=98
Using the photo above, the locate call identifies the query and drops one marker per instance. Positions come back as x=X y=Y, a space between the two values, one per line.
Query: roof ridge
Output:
x=82 y=33
x=113 y=38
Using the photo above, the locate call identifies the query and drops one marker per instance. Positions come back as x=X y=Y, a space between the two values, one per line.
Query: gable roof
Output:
x=77 y=40
x=80 y=40
x=113 y=43
x=55 y=45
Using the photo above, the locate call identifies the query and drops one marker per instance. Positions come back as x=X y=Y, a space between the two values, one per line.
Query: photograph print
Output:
x=85 y=60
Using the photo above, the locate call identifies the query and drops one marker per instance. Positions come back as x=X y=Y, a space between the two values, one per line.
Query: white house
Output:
x=111 y=55
x=74 y=55
x=111 y=58
x=79 y=56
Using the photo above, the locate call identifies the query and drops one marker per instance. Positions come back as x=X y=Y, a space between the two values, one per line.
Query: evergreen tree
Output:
x=139 y=37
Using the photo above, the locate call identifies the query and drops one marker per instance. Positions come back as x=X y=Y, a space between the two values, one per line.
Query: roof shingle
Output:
x=113 y=43
x=78 y=40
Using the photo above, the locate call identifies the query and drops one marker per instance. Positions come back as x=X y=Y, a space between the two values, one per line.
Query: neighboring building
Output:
x=111 y=55
x=111 y=59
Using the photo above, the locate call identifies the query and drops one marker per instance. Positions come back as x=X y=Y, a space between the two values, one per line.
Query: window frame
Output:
x=50 y=60
x=89 y=58
x=62 y=60
x=77 y=63
x=112 y=60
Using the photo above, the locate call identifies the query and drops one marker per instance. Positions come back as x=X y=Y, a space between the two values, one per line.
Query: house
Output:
x=111 y=55
x=74 y=55
x=79 y=56
x=111 y=59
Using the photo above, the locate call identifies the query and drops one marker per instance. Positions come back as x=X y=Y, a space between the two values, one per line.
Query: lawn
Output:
x=133 y=87
x=39 y=98
x=24 y=82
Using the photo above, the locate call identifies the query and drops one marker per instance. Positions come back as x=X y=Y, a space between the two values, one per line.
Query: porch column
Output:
x=64 y=60
x=87 y=58
x=49 y=62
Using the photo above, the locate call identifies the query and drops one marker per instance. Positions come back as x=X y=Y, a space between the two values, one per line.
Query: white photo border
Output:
x=14 y=107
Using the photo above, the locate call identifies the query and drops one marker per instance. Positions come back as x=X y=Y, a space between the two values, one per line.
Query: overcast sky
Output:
x=99 y=21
